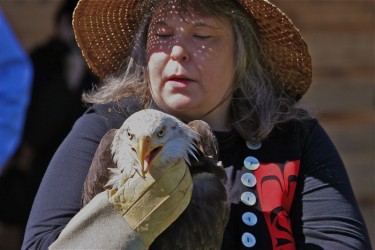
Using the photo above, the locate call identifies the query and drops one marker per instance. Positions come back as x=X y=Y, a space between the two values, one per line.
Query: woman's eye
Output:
x=163 y=35
x=161 y=132
x=200 y=36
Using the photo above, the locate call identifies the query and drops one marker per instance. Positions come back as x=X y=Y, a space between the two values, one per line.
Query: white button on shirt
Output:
x=248 y=198
x=248 y=240
x=249 y=219
x=253 y=146
x=248 y=179
x=251 y=163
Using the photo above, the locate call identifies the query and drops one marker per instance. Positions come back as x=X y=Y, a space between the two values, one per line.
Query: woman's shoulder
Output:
x=288 y=140
x=297 y=132
x=114 y=113
x=302 y=125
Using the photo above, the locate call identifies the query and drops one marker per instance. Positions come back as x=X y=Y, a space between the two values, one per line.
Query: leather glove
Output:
x=150 y=204
x=132 y=216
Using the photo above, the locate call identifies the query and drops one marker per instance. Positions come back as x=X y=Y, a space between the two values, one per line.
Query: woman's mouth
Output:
x=179 y=82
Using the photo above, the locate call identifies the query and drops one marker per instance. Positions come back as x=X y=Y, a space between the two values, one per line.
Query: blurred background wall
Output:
x=340 y=35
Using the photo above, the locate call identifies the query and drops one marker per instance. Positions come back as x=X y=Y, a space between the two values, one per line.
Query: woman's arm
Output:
x=57 y=205
x=325 y=214
x=59 y=195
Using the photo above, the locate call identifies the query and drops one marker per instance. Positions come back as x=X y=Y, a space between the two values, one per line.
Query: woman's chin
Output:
x=180 y=104
x=180 y=109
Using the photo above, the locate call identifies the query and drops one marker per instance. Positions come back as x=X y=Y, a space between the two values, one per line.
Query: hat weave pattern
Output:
x=285 y=51
x=105 y=30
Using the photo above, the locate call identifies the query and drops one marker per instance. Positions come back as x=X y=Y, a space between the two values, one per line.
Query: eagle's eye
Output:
x=130 y=135
x=161 y=132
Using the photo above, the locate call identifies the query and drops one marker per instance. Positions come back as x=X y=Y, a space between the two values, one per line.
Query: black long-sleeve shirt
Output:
x=302 y=196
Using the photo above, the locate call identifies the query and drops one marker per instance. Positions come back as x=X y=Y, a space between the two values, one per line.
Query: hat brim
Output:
x=105 y=31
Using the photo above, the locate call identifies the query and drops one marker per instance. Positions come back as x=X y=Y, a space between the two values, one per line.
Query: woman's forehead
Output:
x=172 y=13
x=167 y=20
x=188 y=7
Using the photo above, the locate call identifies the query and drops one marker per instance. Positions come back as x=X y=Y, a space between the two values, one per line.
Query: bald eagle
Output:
x=151 y=141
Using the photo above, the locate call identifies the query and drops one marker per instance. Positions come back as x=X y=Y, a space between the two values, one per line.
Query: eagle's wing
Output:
x=208 y=143
x=201 y=226
x=208 y=151
x=99 y=173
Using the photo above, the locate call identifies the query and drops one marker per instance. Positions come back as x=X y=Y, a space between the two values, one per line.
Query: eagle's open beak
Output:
x=146 y=152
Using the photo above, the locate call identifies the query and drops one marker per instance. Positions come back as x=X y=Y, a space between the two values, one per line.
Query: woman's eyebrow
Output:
x=163 y=23
x=203 y=24
x=159 y=23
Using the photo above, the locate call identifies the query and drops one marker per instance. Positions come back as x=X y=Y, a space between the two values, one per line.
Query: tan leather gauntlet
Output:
x=131 y=217
x=150 y=205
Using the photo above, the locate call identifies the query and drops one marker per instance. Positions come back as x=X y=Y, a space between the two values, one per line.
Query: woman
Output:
x=241 y=66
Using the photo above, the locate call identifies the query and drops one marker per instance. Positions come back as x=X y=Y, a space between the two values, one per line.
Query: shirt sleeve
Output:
x=59 y=195
x=325 y=214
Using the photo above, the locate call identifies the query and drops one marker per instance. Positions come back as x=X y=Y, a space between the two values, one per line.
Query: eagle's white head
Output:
x=150 y=140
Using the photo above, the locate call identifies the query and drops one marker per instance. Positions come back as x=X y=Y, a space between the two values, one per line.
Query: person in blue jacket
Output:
x=16 y=74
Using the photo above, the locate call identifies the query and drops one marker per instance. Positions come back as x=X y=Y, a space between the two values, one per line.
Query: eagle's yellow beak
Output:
x=146 y=151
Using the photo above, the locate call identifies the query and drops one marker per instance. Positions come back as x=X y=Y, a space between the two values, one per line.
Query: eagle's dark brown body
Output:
x=202 y=224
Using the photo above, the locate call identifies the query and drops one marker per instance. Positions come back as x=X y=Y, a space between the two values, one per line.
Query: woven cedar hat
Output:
x=105 y=29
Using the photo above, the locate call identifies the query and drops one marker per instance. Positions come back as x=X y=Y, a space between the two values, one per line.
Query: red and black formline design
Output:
x=276 y=186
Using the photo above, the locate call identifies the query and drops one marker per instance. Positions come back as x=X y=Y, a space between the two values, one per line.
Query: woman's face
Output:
x=191 y=68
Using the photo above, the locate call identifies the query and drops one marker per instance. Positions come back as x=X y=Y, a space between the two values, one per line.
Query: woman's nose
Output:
x=179 y=53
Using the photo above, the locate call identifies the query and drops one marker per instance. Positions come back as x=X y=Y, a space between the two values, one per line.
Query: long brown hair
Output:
x=258 y=101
